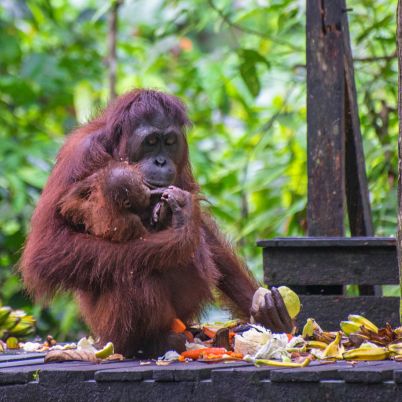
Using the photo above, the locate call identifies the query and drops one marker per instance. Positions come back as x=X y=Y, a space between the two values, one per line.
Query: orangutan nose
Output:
x=160 y=161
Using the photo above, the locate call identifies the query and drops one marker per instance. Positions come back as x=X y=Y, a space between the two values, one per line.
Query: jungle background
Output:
x=240 y=68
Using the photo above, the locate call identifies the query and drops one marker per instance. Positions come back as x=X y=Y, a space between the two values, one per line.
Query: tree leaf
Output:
x=248 y=72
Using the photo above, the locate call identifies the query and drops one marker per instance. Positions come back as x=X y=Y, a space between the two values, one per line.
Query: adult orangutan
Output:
x=119 y=223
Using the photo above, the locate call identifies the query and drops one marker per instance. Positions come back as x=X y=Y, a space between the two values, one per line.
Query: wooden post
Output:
x=357 y=196
x=399 y=234
x=325 y=118
x=336 y=167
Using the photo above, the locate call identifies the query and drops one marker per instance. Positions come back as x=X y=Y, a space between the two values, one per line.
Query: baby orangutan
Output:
x=108 y=203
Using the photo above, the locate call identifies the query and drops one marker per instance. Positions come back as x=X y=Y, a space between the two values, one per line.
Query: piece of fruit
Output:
x=199 y=353
x=5 y=311
x=291 y=300
x=349 y=327
x=365 y=353
x=276 y=363
x=12 y=343
x=11 y=321
x=310 y=327
x=106 y=351
x=359 y=319
x=395 y=348
x=178 y=326
x=316 y=345
x=334 y=350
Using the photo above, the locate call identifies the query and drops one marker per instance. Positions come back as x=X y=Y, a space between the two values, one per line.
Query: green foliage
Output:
x=240 y=68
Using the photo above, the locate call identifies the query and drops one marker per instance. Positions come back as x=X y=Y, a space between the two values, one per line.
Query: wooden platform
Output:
x=27 y=378
x=338 y=261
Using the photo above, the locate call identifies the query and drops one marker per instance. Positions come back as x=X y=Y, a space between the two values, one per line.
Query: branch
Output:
x=112 y=40
x=368 y=59
x=371 y=59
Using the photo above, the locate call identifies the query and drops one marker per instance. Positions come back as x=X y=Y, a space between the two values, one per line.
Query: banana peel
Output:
x=107 y=351
x=367 y=353
x=5 y=311
x=277 y=363
x=360 y=320
x=335 y=349
x=349 y=327
x=316 y=345
x=309 y=328
x=395 y=348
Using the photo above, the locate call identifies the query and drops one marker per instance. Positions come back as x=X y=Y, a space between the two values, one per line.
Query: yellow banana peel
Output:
x=316 y=345
x=366 y=354
x=335 y=349
x=359 y=319
x=276 y=363
x=349 y=327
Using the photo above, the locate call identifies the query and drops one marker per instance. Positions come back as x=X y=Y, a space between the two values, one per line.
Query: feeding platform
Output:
x=25 y=377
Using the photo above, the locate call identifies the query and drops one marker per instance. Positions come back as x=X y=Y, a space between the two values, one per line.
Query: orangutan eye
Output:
x=170 y=140
x=152 y=140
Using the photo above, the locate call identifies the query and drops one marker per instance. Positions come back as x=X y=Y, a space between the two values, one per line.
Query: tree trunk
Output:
x=399 y=234
x=112 y=40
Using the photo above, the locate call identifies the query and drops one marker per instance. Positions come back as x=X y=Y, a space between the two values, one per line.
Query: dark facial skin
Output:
x=157 y=146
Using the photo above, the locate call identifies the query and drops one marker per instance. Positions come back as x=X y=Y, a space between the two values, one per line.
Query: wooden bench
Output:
x=301 y=262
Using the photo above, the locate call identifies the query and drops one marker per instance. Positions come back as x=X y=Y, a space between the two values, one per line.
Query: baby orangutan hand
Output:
x=269 y=310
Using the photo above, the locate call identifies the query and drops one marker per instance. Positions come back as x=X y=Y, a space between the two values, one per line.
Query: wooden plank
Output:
x=358 y=202
x=325 y=118
x=330 y=310
x=77 y=371
x=249 y=374
x=194 y=371
x=328 y=242
x=7 y=357
x=129 y=374
x=397 y=375
x=22 y=363
x=370 y=373
x=330 y=265
x=357 y=195
x=20 y=375
x=362 y=372
x=314 y=373
x=225 y=384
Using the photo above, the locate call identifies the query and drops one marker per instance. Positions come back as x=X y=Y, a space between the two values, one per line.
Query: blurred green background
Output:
x=240 y=68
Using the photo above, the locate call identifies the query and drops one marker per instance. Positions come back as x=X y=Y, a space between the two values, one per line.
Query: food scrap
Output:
x=358 y=339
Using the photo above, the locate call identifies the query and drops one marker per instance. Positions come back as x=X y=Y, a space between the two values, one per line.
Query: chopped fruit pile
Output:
x=358 y=339
x=235 y=340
